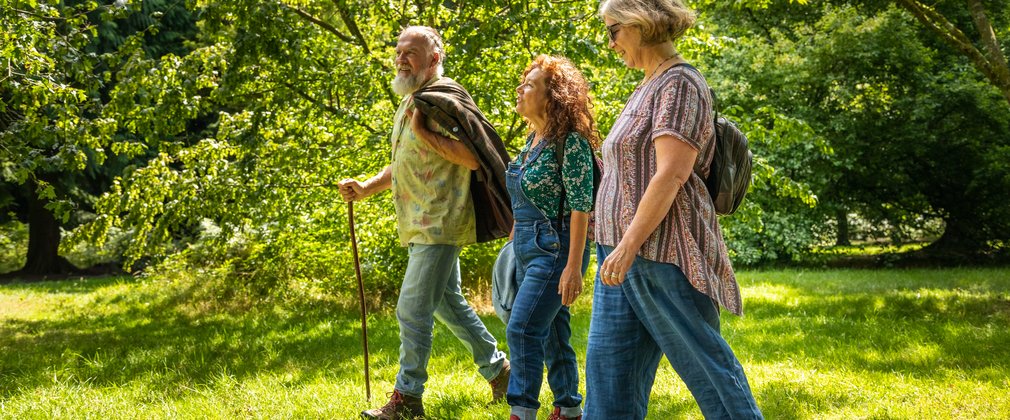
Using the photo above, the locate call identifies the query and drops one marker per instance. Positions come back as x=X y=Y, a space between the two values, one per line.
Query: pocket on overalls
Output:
x=547 y=240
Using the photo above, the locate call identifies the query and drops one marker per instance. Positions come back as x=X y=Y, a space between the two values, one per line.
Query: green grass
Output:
x=815 y=344
x=868 y=249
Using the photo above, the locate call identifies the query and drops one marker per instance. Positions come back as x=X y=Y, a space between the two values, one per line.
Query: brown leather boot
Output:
x=399 y=407
x=500 y=383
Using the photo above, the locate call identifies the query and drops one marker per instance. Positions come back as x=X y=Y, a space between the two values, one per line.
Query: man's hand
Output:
x=420 y=129
x=354 y=190
x=449 y=149
x=351 y=190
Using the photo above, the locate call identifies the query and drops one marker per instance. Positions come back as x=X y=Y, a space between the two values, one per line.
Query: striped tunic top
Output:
x=677 y=103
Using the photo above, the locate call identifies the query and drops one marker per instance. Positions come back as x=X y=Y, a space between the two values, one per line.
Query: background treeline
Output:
x=208 y=136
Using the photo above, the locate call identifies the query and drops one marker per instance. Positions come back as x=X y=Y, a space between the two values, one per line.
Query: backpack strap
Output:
x=559 y=155
x=715 y=104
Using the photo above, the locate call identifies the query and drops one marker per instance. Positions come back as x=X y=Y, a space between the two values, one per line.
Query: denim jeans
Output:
x=539 y=330
x=657 y=311
x=431 y=289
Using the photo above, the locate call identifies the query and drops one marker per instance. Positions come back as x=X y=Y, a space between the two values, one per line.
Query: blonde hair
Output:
x=659 y=20
x=435 y=44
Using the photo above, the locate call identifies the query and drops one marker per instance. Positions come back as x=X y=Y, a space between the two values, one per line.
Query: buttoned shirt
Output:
x=431 y=195
x=544 y=180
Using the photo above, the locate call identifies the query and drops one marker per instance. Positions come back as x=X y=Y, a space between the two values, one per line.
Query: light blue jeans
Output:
x=431 y=289
x=657 y=311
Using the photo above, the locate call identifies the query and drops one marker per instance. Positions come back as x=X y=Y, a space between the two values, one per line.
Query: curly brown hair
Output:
x=569 y=107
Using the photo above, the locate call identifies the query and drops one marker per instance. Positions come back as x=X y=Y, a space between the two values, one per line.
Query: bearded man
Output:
x=430 y=177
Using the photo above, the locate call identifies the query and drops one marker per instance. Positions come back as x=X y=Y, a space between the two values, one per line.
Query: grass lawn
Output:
x=903 y=344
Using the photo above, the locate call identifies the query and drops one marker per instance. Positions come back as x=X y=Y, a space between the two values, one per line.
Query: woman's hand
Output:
x=571 y=284
x=615 y=267
x=674 y=164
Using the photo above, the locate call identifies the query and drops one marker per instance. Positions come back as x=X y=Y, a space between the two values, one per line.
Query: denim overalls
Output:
x=540 y=327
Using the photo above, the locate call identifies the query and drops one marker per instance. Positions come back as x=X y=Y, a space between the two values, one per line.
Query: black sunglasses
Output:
x=612 y=30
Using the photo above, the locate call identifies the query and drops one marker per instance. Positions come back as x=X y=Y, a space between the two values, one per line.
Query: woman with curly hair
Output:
x=552 y=195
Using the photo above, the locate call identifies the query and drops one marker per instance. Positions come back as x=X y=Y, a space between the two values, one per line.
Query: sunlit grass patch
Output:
x=814 y=344
x=870 y=248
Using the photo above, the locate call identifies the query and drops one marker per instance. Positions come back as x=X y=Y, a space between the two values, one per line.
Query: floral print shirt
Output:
x=431 y=195
x=542 y=181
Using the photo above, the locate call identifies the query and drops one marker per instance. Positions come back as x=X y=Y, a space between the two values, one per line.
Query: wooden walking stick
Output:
x=361 y=298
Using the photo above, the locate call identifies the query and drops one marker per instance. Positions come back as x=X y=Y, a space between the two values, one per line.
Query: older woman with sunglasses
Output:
x=664 y=269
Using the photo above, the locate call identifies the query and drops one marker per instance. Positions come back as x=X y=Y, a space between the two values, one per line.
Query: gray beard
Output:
x=405 y=85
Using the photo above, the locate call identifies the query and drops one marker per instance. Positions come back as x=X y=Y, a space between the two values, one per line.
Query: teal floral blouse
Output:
x=542 y=182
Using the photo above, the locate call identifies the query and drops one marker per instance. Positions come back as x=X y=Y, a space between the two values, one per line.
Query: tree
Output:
x=47 y=125
x=913 y=132
x=305 y=101
x=984 y=52
x=300 y=98
x=54 y=125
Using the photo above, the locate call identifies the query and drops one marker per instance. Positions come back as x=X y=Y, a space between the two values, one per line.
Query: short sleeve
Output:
x=681 y=109
x=578 y=173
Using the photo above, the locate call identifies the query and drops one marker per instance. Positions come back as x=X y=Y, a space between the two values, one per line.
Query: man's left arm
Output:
x=450 y=149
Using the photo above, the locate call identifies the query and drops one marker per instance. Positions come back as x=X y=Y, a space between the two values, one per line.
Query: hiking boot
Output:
x=556 y=415
x=399 y=407
x=500 y=383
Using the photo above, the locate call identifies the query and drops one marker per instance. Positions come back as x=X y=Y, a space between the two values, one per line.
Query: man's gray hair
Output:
x=434 y=42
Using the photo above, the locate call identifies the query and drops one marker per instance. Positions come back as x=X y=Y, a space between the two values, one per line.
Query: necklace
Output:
x=657 y=68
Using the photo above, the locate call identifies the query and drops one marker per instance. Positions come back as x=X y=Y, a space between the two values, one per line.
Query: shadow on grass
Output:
x=155 y=338
x=922 y=332
x=161 y=339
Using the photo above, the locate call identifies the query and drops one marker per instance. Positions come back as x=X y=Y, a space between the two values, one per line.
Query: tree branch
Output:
x=994 y=54
x=319 y=22
x=336 y=111
x=38 y=16
x=348 y=19
x=935 y=22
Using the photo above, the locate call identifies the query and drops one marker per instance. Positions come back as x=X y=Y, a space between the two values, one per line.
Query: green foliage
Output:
x=60 y=139
x=294 y=97
x=13 y=238
x=244 y=127
x=902 y=131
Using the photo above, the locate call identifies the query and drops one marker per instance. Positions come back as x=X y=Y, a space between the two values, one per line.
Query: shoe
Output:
x=500 y=383
x=556 y=415
x=399 y=407
x=513 y=417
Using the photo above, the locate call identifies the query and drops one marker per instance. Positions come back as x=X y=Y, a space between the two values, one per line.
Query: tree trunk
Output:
x=842 y=217
x=43 y=240
x=991 y=47
x=958 y=242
